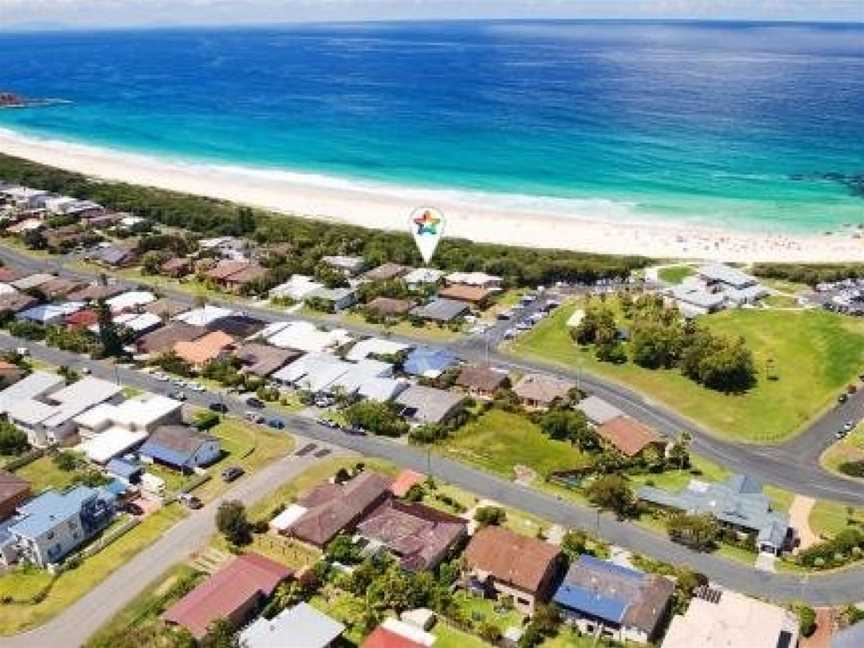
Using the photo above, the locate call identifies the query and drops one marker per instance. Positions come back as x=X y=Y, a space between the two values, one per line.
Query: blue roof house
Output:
x=429 y=362
x=52 y=525
x=624 y=604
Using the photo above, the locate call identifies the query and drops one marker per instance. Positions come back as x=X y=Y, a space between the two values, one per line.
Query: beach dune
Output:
x=591 y=226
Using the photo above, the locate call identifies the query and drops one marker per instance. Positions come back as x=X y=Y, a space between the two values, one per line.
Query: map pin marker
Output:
x=427 y=227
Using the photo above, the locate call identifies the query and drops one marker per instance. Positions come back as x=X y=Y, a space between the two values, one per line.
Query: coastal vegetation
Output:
x=802 y=359
x=809 y=273
x=304 y=242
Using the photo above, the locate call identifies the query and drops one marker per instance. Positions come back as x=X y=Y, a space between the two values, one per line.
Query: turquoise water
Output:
x=742 y=125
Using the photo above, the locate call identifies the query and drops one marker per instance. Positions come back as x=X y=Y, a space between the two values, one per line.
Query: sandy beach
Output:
x=595 y=226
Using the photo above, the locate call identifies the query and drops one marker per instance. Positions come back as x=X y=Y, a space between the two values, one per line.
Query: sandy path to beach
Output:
x=388 y=207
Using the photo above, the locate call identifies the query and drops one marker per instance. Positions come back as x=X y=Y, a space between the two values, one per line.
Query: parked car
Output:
x=231 y=473
x=177 y=395
x=86 y=371
x=190 y=501
x=276 y=424
x=22 y=351
x=257 y=403
x=848 y=425
x=222 y=408
x=842 y=398
x=254 y=417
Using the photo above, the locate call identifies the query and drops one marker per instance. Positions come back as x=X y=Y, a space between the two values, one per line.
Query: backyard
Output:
x=815 y=354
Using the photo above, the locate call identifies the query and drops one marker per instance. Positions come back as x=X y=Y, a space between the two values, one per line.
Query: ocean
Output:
x=741 y=125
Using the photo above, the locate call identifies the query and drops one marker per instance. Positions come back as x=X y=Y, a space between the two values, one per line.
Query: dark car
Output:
x=222 y=408
x=276 y=424
x=257 y=403
x=133 y=509
x=191 y=501
x=842 y=398
x=231 y=473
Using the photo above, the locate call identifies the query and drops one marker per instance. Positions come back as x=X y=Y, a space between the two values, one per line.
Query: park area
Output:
x=813 y=355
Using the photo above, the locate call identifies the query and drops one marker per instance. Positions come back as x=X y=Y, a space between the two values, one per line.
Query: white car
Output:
x=198 y=387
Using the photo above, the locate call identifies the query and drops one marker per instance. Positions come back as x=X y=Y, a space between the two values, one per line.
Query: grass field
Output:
x=827 y=519
x=73 y=584
x=498 y=441
x=675 y=274
x=43 y=474
x=815 y=354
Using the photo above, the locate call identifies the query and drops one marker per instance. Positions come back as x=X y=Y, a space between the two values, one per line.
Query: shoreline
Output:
x=601 y=226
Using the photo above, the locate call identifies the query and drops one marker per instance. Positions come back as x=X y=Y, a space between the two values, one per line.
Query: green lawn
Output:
x=780 y=301
x=482 y=610
x=675 y=274
x=43 y=474
x=850 y=449
x=498 y=441
x=73 y=584
x=829 y=518
x=815 y=354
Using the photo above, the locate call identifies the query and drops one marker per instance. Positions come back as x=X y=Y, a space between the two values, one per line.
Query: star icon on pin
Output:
x=427 y=223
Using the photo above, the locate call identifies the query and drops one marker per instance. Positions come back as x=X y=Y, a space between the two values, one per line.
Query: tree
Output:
x=699 y=532
x=67 y=461
x=612 y=492
x=806 y=620
x=574 y=544
x=232 y=523
x=679 y=451
x=376 y=417
x=12 y=440
x=151 y=262
x=109 y=335
x=343 y=550
x=490 y=515
x=569 y=425
x=220 y=634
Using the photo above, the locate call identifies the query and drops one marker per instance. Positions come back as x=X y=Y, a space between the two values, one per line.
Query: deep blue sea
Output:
x=744 y=125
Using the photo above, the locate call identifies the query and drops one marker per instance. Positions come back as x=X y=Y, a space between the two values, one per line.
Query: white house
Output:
x=297 y=288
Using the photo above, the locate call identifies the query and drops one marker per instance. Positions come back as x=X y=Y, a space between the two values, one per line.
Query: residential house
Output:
x=224 y=269
x=226 y=247
x=297 y=288
x=726 y=619
x=83 y=319
x=48 y=314
x=347 y=265
x=238 y=282
x=15 y=302
x=234 y=593
x=130 y=301
x=32 y=281
x=200 y=351
x=59 y=288
x=108 y=430
x=389 y=307
x=63 y=239
x=630 y=437
x=176 y=267
x=166 y=308
x=332 y=508
x=382 y=390
x=500 y=562
x=608 y=600
x=136 y=324
x=8 y=275
x=475 y=296
x=479 y=279
x=125 y=469
x=163 y=339
x=263 y=360
x=738 y=503
x=429 y=362
x=481 y=382
x=538 y=391
x=387 y=272
x=26 y=225
x=96 y=291
x=10 y=373
x=299 y=627
x=53 y=524
x=181 y=447
x=393 y=633
x=69 y=206
x=376 y=348
x=441 y=310
x=25 y=198
x=405 y=481
x=203 y=316
x=335 y=299
x=115 y=256
x=423 y=405
x=418 y=536
x=238 y=325
x=597 y=410
x=14 y=491
x=46 y=409
x=422 y=277
x=304 y=336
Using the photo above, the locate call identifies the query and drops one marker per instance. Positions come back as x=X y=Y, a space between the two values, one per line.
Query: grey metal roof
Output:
x=441 y=310
x=690 y=294
x=299 y=627
x=429 y=405
x=727 y=275
x=598 y=410
x=738 y=501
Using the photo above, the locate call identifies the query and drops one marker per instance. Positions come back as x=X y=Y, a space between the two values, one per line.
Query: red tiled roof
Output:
x=227 y=592
x=511 y=558
x=628 y=435
x=459 y=292
x=405 y=480
x=83 y=318
x=381 y=637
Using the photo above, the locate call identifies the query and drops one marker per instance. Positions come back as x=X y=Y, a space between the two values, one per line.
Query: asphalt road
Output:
x=793 y=465
x=825 y=589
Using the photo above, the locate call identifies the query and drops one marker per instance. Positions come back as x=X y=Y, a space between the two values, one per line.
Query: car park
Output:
x=231 y=473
